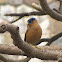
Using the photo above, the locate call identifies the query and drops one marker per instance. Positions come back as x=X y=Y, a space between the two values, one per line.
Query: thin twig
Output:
x=56 y=10
x=16 y=19
x=25 y=14
x=35 y=6
x=50 y=40
x=60 y=7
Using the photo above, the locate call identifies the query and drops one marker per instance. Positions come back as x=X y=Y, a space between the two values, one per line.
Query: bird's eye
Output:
x=30 y=22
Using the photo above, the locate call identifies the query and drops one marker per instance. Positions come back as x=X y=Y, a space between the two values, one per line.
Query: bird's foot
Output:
x=32 y=45
x=38 y=47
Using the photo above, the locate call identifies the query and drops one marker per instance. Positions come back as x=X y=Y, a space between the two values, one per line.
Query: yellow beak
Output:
x=27 y=23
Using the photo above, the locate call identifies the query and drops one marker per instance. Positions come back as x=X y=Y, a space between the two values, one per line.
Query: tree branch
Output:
x=44 y=11
x=56 y=10
x=60 y=8
x=52 y=39
x=26 y=14
x=37 y=8
x=49 y=11
x=4 y=59
x=30 y=51
x=60 y=59
x=4 y=49
x=1 y=61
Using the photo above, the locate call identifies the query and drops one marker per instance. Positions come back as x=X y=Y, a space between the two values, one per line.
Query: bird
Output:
x=33 y=32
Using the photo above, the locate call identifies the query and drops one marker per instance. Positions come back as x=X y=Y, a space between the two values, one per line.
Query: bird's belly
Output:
x=33 y=37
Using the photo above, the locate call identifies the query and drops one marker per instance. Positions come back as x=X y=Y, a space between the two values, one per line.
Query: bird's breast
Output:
x=34 y=34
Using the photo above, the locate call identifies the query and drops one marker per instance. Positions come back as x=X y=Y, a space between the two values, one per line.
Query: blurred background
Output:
x=50 y=27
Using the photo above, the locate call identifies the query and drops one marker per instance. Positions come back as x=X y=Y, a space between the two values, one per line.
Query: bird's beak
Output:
x=27 y=23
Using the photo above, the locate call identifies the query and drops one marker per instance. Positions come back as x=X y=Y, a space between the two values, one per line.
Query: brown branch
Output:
x=52 y=39
x=4 y=49
x=60 y=7
x=11 y=50
x=26 y=14
x=37 y=8
x=1 y=61
x=49 y=11
x=43 y=40
x=23 y=45
x=56 y=10
x=30 y=51
x=4 y=59
x=16 y=20
x=45 y=11
x=16 y=51
x=21 y=60
x=60 y=59
x=58 y=0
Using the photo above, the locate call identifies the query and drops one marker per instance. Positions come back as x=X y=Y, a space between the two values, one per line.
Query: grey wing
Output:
x=25 y=36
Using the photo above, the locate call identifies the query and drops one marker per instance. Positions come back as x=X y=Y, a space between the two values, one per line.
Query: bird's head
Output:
x=30 y=20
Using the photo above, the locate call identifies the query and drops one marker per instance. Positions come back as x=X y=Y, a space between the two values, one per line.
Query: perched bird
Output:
x=33 y=33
